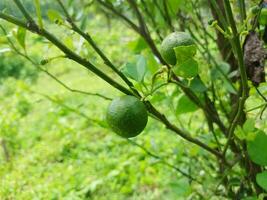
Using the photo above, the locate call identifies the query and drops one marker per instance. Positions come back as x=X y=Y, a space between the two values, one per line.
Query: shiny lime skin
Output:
x=173 y=40
x=127 y=116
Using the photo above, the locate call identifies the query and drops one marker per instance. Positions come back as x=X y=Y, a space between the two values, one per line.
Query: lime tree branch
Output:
x=163 y=161
x=162 y=118
x=152 y=19
x=73 y=56
x=89 y=119
x=244 y=83
x=141 y=28
x=89 y=39
x=69 y=53
x=74 y=110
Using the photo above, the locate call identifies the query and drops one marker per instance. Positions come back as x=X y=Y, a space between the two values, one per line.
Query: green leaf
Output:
x=247 y=131
x=261 y=179
x=184 y=53
x=239 y=133
x=197 y=85
x=141 y=67
x=228 y=86
x=136 y=70
x=249 y=125
x=54 y=16
x=257 y=149
x=185 y=105
x=216 y=72
x=152 y=64
x=21 y=36
x=137 y=46
x=187 y=69
x=38 y=12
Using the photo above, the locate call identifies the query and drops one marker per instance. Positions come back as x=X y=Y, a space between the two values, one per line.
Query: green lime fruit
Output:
x=263 y=17
x=127 y=116
x=173 y=40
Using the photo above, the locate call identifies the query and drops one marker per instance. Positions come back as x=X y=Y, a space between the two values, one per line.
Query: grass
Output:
x=57 y=154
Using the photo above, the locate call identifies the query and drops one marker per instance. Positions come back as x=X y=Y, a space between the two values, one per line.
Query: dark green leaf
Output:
x=185 y=105
x=257 y=149
x=187 y=69
x=223 y=68
x=197 y=85
x=136 y=70
x=228 y=86
x=21 y=35
x=261 y=179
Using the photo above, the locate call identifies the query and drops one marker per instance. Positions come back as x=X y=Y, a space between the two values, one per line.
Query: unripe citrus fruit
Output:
x=127 y=116
x=173 y=40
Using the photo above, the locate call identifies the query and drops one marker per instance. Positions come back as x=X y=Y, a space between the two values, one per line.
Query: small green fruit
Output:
x=127 y=116
x=174 y=40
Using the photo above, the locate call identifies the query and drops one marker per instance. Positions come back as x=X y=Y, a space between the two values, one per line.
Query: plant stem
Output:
x=69 y=54
x=89 y=39
x=244 y=83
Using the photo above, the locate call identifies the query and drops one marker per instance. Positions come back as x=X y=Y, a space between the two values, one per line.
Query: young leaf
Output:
x=249 y=125
x=129 y=70
x=187 y=69
x=239 y=133
x=261 y=179
x=229 y=87
x=185 y=105
x=21 y=35
x=54 y=16
x=257 y=149
x=136 y=70
x=141 y=67
x=183 y=53
x=197 y=85
x=137 y=46
x=38 y=12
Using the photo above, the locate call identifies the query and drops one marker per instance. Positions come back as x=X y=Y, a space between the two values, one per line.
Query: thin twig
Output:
x=89 y=39
x=163 y=161
x=15 y=49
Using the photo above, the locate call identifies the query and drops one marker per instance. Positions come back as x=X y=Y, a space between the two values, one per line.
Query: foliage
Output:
x=15 y=67
x=206 y=138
